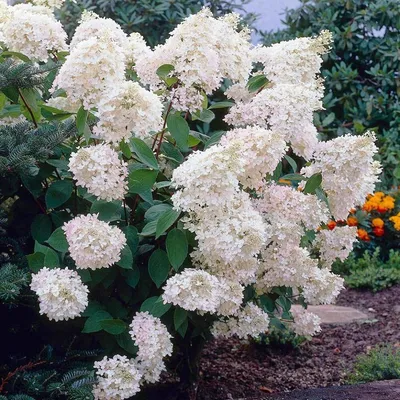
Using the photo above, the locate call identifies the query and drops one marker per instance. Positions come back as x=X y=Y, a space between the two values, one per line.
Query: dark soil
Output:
x=235 y=369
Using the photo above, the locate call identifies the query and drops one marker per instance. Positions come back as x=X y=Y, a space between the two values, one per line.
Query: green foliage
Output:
x=381 y=363
x=369 y=271
x=12 y=281
x=281 y=338
x=154 y=19
x=361 y=71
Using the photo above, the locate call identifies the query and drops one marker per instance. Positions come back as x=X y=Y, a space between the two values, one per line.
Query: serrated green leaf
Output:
x=158 y=267
x=113 y=326
x=41 y=228
x=179 y=130
x=166 y=220
x=144 y=153
x=313 y=183
x=155 y=306
x=177 y=248
x=58 y=193
x=58 y=241
x=141 y=180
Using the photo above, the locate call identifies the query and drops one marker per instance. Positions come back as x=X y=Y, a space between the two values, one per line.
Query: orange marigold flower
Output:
x=378 y=223
x=382 y=209
x=352 y=221
x=378 y=231
x=331 y=225
x=396 y=221
x=363 y=235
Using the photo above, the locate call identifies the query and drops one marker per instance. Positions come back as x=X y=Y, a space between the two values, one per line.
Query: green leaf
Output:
x=132 y=237
x=214 y=139
x=58 y=241
x=81 y=118
x=267 y=303
x=41 y=228
x=51 y=259
x=158 y=267
x=126 y=260
x=31 y=97
x=313 y=183
x=155 y=306
x=154 y=212
x=166 y=220
x=257 y=82
x=179 y=130
x=180 y=315
x=177 y=248
x=58 y=193
x=204 y=115
x=149 y=229
x=59 y=164
x=291 y=162
x=328 y=120
x=221 y=104
x=125 y=341
x=284 y=303
x=132 y=276
x=108 y=211
x=144 y=153
x=183 y=328
x=35 y=261
x=93 y=323
x=126 y=151
x=113 y=326
x=141 y=180
x=164 y=70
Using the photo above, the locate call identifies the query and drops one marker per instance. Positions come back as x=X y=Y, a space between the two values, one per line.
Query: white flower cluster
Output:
x=93 y=243
x=131 y=109
x=32 y=30
x=305 y=322
x=249 y=321
x=335 y=244
x=348 y=171
x=49 y=3
x=154 y=342
x=118 y=378
x=62 y=295
x=92 y=71
x=203 y=51
x=287 y=104
x=99 y=169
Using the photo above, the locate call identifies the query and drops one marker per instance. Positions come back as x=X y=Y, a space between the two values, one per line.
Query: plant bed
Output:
x=236 y=369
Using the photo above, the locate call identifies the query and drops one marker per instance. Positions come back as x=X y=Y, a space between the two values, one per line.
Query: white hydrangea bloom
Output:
x=132 y=110
x=335 y=244
x=192 y=290
x=154 y=342
x=136 y=48
x=285 y=265
x=260 y=151
x=99 y=170
x=186 y=99
x=62 y=295
x=203 y=50
x=91 y=72
x=322 y=287
x=289 y=212
x=92 y=26
x=249 y=321
x=294 y=61
x=93 y=243
x=49 y=3
x=118 y=378
x=305 y=322
x=231 y=297
x=33 y=31
x=349 y=172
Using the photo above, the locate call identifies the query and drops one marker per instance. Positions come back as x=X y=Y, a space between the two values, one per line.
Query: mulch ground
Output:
x=235 y=369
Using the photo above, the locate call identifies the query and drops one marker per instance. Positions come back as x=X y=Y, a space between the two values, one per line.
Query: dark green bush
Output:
x=369 y=271
x=361 y=71
x=154 y=19
x=381 y=363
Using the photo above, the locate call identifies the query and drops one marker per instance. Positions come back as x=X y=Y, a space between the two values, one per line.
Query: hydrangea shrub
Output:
x=157 y=231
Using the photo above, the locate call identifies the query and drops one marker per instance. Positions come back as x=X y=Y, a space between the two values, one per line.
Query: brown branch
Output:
x=163 y=130
x=29 y=109
x=22 y=368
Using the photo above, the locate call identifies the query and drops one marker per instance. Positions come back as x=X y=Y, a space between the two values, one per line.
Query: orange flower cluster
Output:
x=379 y=202
x=396 y=221
x=363 y=235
